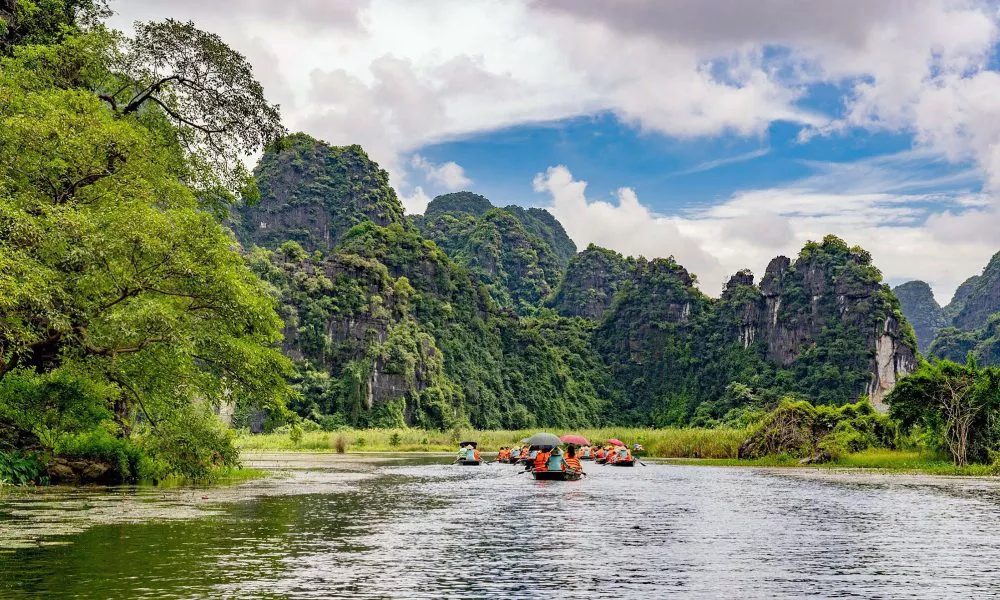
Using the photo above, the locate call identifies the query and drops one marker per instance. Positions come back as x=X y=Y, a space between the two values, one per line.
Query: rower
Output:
x=541 y=460
x=571 y=461
x=556 y=462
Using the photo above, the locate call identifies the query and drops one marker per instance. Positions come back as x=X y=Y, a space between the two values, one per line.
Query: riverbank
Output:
x=702 y=447
x=896 y=461
x=660 y=443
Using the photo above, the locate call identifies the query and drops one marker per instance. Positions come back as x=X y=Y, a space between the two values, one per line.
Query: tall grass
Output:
x=663 y=443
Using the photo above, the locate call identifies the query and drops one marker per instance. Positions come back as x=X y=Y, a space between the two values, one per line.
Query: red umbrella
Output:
x=579 y=440
x=616 y=442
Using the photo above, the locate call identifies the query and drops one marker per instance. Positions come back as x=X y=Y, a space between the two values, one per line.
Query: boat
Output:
x=556 y=475
x=601 y=461
x=514 y=460
x=586 y=457
x=469 y=463
x=623 y=463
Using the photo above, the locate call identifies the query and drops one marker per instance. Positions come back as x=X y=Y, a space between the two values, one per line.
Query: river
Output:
x=332 y=527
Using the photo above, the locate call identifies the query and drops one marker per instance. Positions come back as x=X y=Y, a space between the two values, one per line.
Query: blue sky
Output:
x=722 y=132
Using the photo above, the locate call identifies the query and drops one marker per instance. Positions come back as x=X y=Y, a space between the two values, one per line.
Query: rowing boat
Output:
x=623 y=463
x=468 y=463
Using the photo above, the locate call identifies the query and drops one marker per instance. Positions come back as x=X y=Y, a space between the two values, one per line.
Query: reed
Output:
x=659 y=443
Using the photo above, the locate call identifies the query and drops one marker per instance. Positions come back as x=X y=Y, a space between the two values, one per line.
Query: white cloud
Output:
x=416 y=201
x=449 y=175
x=750 y=228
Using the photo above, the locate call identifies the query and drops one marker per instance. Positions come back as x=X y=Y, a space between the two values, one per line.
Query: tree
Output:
x=45 y=21
x=208 y=91
x=958 y=400
x=110 y=272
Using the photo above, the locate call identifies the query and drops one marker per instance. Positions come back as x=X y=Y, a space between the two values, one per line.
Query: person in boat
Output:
x=599 y=453
x=556 y=461
x=623 y=454
x=637 y=448
x=532 y=453
x=541 y=460
x=584 y=451
x=503 y=454
x=571 y=461
x=610 y=454
x=475 y=454
x=514 y=454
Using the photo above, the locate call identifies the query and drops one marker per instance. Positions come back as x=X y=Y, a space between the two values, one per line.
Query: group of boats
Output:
x=543 y=455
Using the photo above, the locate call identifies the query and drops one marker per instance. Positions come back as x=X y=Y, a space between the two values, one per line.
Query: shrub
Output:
x=295 y=434
x=395 y=439
x=341 y=444
x=21 y=468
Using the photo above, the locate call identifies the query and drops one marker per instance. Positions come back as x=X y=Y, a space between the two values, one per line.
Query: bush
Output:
x=295 y=434
x=21 y=468
x=799 y=429
x=341 y=444
x=128 y=460
x=395 y=440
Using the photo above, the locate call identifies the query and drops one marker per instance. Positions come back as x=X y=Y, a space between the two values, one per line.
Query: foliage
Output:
x=819 y=432
x=123 y=305
x=592 y=278
x=21 y=468
x=313 y=193
x=207 y=90
x=45 y=21
x=958 y=402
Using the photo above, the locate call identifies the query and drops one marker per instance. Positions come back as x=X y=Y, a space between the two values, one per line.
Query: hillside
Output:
x=313 y=193
x=969 y=322
x=512 y=250
x=472 y=314
x=922 y=311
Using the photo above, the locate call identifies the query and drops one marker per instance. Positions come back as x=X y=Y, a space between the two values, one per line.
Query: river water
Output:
x=329 y=527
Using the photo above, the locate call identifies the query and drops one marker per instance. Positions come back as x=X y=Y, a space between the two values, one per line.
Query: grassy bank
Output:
x=665 y=443
x=901 y=461
x=711 y=447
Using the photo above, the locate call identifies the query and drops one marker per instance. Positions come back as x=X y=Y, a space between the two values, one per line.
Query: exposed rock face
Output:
x=958 y=300
x=66 y=470
x=921 y=310
x=313 y=193
x=831 y=288
x=592 y=278
x=983 y=300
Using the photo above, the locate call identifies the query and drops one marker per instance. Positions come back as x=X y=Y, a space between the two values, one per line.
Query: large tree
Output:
x=958 y=401
x=110 y=269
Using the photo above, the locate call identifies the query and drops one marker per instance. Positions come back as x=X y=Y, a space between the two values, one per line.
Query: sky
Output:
x=720 y=132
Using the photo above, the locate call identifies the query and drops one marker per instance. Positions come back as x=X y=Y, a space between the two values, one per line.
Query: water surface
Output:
x=419 y=528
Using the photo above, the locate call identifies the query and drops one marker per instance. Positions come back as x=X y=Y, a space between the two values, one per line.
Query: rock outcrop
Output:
x=983 y=300
x=512 y=250
x=313 y=193
x=921 y=310
x=590 y=283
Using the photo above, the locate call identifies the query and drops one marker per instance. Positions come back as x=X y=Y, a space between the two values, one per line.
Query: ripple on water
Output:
x=433 y=530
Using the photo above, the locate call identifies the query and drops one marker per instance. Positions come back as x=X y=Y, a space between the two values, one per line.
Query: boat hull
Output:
x=623 y=463
x=556 y=475
x=469 y=463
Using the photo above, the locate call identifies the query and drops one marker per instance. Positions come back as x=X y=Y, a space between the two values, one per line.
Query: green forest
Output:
x=150 y=281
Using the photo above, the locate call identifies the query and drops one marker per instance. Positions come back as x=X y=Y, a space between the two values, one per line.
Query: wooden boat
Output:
x=514 y=460
x=623 y=463
x=556 y=475
x=468 y=463
x=586 y=457
x=601 y=461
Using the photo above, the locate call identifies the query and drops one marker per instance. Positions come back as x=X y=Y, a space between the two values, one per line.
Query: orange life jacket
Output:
x=475 y=453
x=541 y=460
x=599 y=453
x=573 y=463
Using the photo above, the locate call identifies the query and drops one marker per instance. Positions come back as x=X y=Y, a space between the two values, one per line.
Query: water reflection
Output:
x=432 y=531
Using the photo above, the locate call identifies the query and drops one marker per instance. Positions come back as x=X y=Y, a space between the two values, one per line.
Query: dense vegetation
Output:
x=129 y=315
x=125 y=314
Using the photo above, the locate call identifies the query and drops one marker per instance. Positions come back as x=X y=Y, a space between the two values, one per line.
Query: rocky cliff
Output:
x=510 y=249
x=921 y=310
x=591 y=281
x=983 y=300
x=830 y=305
x=313 y=193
